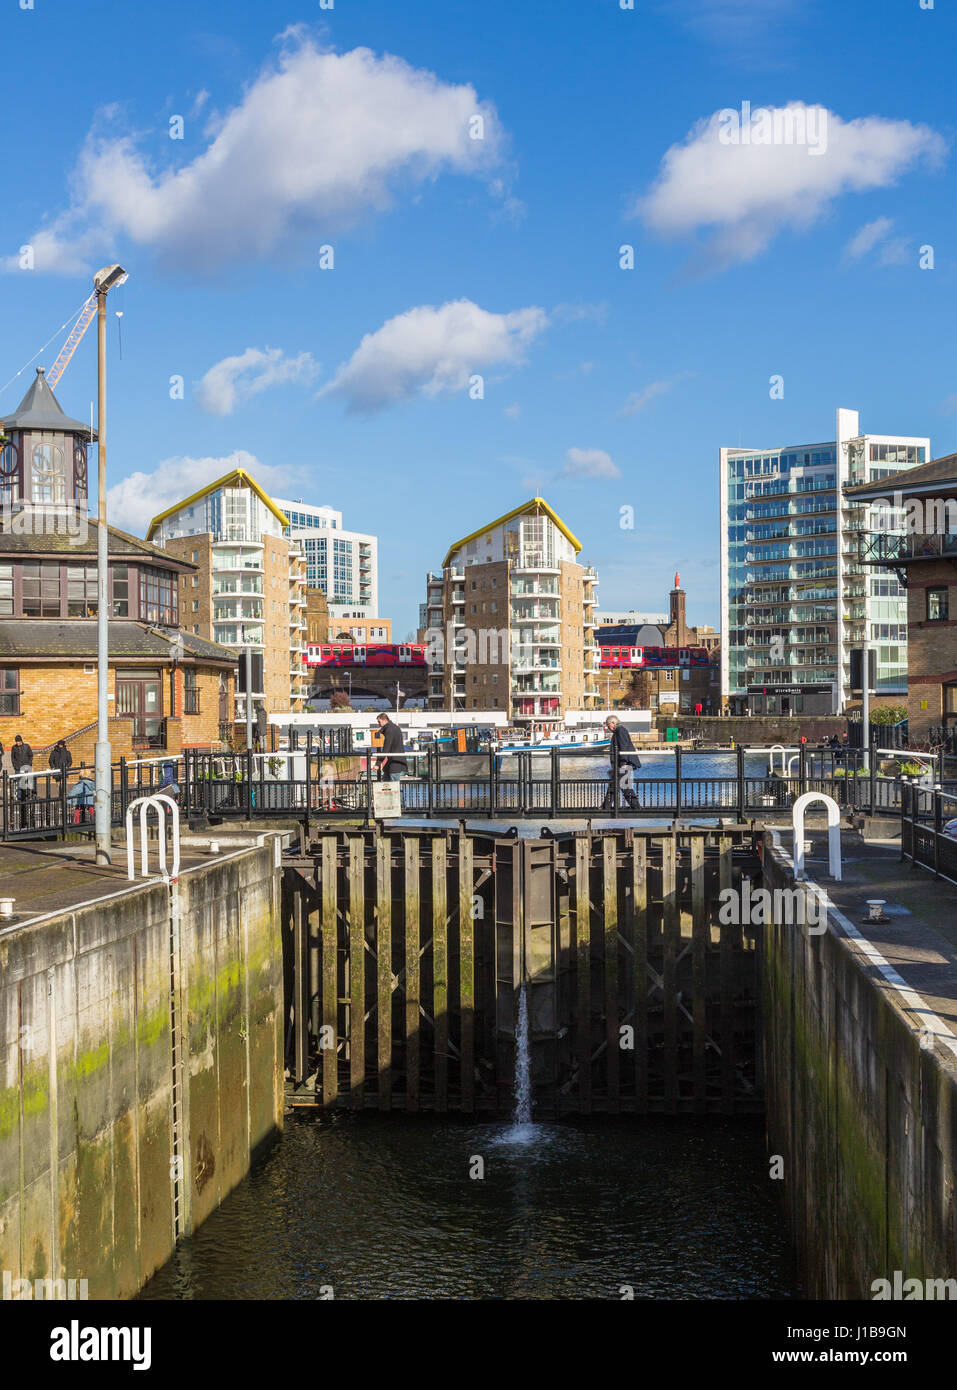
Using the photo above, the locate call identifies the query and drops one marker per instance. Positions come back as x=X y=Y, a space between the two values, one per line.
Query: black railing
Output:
x=310 y=784
x=929 y=827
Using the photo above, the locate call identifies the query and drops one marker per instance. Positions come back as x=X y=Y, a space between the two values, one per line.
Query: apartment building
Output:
x=794 y=597
x=248 y=591
x=510 y=620
x=343 y=564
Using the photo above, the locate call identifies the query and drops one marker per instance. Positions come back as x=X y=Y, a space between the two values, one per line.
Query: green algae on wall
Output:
x=91 y=1165
x=860 y=1112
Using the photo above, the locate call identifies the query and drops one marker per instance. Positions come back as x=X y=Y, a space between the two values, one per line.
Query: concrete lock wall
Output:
x=864 y=1117
x=118 y=1130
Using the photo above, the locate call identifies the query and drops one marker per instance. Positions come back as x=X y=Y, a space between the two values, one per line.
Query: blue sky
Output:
x=351 y=127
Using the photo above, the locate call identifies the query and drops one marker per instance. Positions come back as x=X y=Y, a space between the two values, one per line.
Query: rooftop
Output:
x=534 y=505
x=237 y=478
x=29 y=639
x=40 y=410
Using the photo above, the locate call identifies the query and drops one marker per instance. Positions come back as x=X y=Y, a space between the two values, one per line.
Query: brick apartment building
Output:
x=247 y=585
x=915 y=546
x=677 y=689
x=168 y=688
x=513 y=614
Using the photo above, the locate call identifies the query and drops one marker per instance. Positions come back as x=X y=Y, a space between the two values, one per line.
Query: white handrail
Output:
x=156 y=803
x=833 y=833
x=777 y=748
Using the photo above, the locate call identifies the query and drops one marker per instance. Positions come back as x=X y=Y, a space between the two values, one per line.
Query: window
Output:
x=159 y=596
x=6 y=590
x=120 y=579
x=190 y=691
x=195 y=558
x=41 y=589
x=49 y=473
x=10 y=691
x=936 y=605
x=81 y=591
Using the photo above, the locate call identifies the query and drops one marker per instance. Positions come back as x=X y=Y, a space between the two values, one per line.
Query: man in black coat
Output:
x=61 y=759
x=391 y=768
x=628 y=763
x=21 y=754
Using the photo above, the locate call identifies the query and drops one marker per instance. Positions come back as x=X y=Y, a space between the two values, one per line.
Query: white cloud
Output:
x=745 y=194
x=513 y=411
x=893 y=250
x=589 y=463
x=236 y=379
x=133 y=502
x=319 y=140
x=432 y=351
x=639 y=399
x=868 y=237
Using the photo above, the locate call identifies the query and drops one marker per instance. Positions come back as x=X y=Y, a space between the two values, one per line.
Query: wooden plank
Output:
x=357 y=970
x=384 y=967
x=700 y=934
x=440 y=971
x=639 y=938
x=300 y=977
x=671 y=927
x=330 y=972
x=583 y=969
x=466 y=972
x=412 y=981
x=727 y=966
x=610 y=931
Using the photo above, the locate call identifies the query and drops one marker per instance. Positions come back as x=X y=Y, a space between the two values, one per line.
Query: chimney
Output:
x=677 y=613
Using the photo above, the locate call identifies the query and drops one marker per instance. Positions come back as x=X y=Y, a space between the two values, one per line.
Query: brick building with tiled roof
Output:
x=168 y=688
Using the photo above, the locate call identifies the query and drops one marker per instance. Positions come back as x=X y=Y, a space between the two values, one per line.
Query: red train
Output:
x=358 y=654
x=654 y=658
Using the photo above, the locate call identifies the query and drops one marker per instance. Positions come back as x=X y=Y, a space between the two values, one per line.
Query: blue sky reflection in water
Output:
x=383 y=1207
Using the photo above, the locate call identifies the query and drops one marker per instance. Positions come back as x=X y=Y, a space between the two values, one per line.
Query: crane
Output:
x=73 y=341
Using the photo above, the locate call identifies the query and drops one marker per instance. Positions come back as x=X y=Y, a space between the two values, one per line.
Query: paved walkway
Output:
x=919 y=939
x=50 y=877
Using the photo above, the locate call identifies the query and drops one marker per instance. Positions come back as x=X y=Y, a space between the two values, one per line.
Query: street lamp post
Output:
x=103 y=282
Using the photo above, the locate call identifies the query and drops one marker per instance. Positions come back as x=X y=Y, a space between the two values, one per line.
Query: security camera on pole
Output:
x=103 y=282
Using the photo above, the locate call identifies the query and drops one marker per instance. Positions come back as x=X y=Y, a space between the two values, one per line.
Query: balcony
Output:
x=530 y=588
x=542 y=686
x=244 y=636
x=884 y=549
x=238 y=611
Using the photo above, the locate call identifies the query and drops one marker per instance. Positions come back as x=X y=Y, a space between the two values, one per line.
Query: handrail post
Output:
x=249 y=783
x=492 y=768
x=554 y=774
x=63 y=804
x=6 y=803
x=369 y=785
x=677 y=782
x=802 y=769
x=614 y=779
x=308 y=783
x=429 y=784
x=938 y=827
x=741 y=795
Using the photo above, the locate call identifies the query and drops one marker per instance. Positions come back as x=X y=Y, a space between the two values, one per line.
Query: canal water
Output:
x=361 y=1206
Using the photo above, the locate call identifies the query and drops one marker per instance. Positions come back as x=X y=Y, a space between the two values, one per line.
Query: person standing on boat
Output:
x=619 y=739
x=391 y=768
